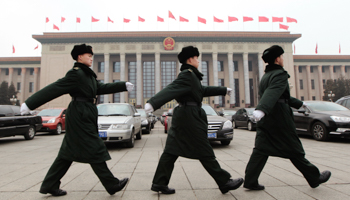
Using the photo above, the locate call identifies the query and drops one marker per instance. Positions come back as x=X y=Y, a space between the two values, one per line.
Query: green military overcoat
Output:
x=81 y=142
x=276 y=133
x=188 y=134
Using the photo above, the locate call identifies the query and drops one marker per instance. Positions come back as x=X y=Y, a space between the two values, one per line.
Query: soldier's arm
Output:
x=108 y=88
x=295 y=103
x=214 y=91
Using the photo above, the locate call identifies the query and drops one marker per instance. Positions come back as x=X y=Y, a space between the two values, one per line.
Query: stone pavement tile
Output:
x=99 y=187
x=287 y=193
x=24 y=183
x=97 y=195
x=179 y=195
x=140 y=181
x=71 y=195
x=146 y=167
x=244 y=194
x=150 y=156
x=283 y=175
x=236 y=168
x=198 y=176
x=8 y=195
x=122 y=167
x=323 y=193
x=342 y=188
x=131 y=156
x=211 y=194
x=84 y=181
x=139 y=195
x=29 y=196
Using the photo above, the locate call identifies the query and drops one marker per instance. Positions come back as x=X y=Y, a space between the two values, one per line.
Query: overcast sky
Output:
x=325 y=22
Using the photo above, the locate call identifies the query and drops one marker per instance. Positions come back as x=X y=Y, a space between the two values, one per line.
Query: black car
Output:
x=322 y=119
x=344 y=101
x=244 y=118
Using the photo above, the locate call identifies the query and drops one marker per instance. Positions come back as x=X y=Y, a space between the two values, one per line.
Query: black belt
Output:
x=282 y=101
x=91 y=100
x=190 y=103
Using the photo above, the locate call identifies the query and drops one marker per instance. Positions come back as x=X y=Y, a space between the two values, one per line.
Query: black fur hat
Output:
x=81 y=49
x=272 y=53
x=186 y=53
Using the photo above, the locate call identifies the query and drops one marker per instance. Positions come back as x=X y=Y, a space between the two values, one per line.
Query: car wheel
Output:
x=58 y=130
x=152 y=126
x=250 y=126
x=319 y=131
x=131 y=142
x=139 y=135
x=29 y=135
x=225 y=142
x=234 y=124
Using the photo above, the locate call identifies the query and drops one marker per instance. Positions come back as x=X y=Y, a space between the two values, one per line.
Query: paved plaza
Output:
x=23 y=165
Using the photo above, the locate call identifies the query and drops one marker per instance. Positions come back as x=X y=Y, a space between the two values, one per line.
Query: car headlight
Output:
x=144 y=122
x=120 y=126
x=340 y=119
x=51 y=120
x=227 y=125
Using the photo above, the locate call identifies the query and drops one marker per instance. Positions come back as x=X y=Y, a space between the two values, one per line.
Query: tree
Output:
x=4 y=98
x=339 y=87
x=12 y=92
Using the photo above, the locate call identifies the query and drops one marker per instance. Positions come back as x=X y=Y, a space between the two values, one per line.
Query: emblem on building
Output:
x=169 y=43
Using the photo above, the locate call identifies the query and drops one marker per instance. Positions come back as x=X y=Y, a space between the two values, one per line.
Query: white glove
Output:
x=229 y=91
x=129 y=86
x=148 y=108
x=24 y=109
x=258 y=114
x=304 y=104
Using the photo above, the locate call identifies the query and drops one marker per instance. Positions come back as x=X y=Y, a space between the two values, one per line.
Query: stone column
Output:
x=331 y=73
x=36 y=71
x=23 y=76
x=11 y=77
x=342 y=71
x=106 y=76
x=231 y=79
x=200 y=63
x=246 y=79
x=308 y=81
x=122 y=76
x=261 y=66
x=139 y=96
x=297 y=84
x=215 y=76
x=157 y=71
x=320 y=83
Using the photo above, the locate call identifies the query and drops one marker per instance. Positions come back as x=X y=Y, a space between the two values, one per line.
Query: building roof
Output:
x=321 y=58
x=159 y=36
x=20 y=60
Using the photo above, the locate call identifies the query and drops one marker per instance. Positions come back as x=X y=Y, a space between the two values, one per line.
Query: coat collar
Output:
x=85 y=68
x=273 y=67
x=195 y=70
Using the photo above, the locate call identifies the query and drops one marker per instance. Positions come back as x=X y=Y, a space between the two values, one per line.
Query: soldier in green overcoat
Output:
x=81 y=142
x=188 y=135
x=276 y=133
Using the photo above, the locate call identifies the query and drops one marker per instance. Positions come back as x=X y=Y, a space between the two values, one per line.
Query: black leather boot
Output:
x=231 y=185
x=256 y=187
x=118 y=187
x=163 y=189
x=324 y=177
x=56 y=192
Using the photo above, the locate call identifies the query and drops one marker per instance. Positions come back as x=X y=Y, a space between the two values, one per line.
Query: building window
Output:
x=101 y=97
x=221 y=82
x=324 y=83
x=31 y=87
x=250 y=66
x=148 y=79
x=19 y=71
x=301 y=84
x=302 y=98
x=31 y=71
x=168 y=71
x=313 y=98
x=116 y=96
x=6 y=71
x=235 y=66
x=300 y=69
x=116 y=66
x=312 y=84
x=101 y=67
x=132 y=78
x=19 y=86
x=236 y=90
x=205 y=81
x=334 y=70
x=346 y=69
x=323 y=69
x=220 y=66
x=311 y=69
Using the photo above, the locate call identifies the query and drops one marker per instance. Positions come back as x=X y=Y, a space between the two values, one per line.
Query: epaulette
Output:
x=190 y=70
x=75 y=68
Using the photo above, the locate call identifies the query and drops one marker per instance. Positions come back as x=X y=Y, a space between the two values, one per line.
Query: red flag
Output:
x=339 y=49
x=247 y=19
x=78 y=19
x=289 y=19
x=13 y=49
x=263 y=19
x=277 y=19
x=316 y=49
x=63 y=19
x=171 y=15
x=218 y=20
x=37 y=46
x=94 y=19
x=285 y=27
x=183 y=19
x=141 y=19
x=159 y=19
x=109 y=20
x=55 y=27
x=47 y=19
x=126 y=20
x=232 y=19
x=202 y=20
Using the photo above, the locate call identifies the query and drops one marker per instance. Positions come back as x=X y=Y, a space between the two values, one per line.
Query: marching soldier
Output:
x=276 y=133
x=188 y=135
x=81 y=142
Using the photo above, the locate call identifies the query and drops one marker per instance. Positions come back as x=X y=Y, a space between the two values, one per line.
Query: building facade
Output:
x=149 y=61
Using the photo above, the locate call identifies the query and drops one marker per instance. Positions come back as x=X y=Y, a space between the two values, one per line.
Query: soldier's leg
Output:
x=309 y=171
x=164 y=169
x=254 y=167
x=105 y=175
x=57 y=170
x=212 y=166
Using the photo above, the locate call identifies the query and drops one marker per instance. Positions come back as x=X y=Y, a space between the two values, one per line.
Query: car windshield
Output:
x=325 y=106
x=113 y=110
x=49 y=112
x=229 y=112
x=209 y=110
x=142 y=112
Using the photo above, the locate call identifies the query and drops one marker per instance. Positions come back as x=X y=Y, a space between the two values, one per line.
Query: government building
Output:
x=149 y=61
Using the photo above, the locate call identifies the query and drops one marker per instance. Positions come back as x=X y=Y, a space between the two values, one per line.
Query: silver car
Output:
x=119 y=122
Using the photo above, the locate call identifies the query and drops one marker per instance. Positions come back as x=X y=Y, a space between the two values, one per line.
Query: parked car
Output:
x=322 y=119
x=228 y=114
x=119 y=122
x=244 y=118
x=219 y=128
x=12 y=123
x=146 y=121
x=166 y=120
x=54 y=120
x=344 y=101
x=162 y=117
